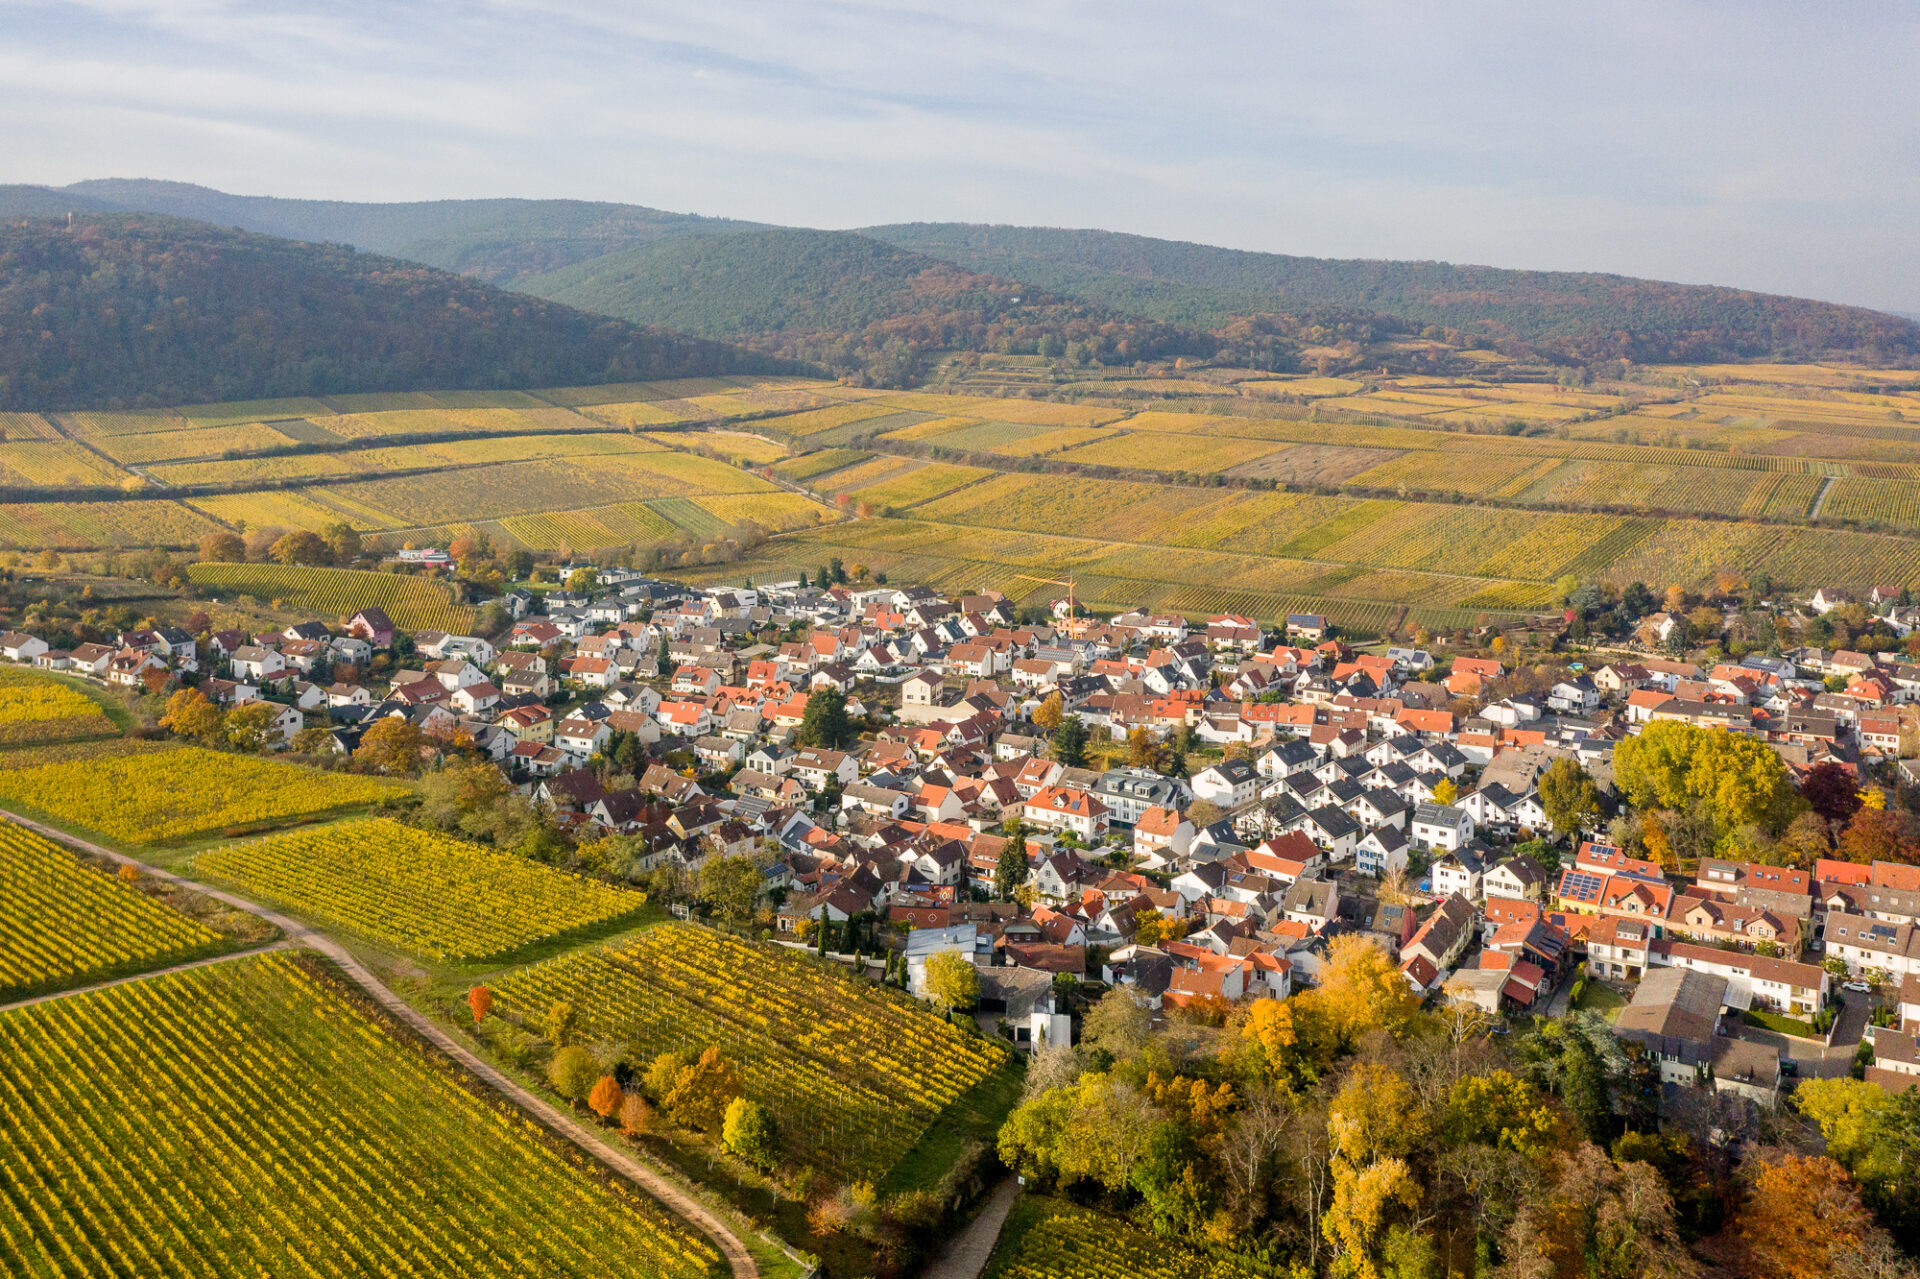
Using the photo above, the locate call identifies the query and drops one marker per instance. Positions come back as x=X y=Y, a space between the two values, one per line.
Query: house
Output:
x=1064 y=808
x=1440 y=941
x=1162 y=834
x=372 y=625
x=1230 y=783
x=18 y=646
x=1382 y=851
x=1516 y=877
x=1311 y=627
x=1440 y=826
x=816 y=767
x=581 y=737
x=128 y=667
x=1461 y=871
x=258 y=665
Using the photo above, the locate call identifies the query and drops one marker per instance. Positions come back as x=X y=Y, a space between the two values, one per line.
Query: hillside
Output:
x=497 y=240
x=1579 y=316
x=846 y=301
x=131 y=309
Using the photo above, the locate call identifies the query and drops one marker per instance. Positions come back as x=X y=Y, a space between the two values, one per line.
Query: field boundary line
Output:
x=550 y=1117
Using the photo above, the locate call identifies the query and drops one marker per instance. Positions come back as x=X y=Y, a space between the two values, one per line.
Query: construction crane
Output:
x=1067 y=582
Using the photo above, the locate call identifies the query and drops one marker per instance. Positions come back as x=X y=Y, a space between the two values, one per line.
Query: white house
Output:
x=1230 y=783
x=1441 y=826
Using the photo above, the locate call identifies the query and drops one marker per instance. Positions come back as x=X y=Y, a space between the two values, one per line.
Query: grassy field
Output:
x=251 y=1117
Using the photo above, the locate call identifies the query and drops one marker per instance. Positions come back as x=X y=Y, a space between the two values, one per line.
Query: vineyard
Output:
x=154 y=798
x=429 y=894
x=414 y=603
x=853 y=1076
x=35 y=708
x=250 y=1118
x=1064 y=1241
x=36 y=526
x=63 y=923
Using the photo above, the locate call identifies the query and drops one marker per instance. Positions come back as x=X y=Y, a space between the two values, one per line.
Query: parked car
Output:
x=1856 y=985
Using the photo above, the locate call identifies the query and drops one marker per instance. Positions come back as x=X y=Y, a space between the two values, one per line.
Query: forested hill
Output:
x=846 y=301
x=133 y=309
x=1577 y=316
x=497 y=240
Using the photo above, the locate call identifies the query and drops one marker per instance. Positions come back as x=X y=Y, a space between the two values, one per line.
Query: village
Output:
x=1190 y=812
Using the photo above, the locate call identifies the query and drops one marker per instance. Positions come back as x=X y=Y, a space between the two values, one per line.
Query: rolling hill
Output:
x=846 y=301
x=1574 y=315
x=499 y=241
x=122 y=310
x=838 y=296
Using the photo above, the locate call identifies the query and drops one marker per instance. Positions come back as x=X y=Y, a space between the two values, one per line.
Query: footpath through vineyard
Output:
x=298 y=934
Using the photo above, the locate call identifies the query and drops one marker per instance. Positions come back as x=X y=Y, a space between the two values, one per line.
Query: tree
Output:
x=749 y=1132
x=1141 y=750
x=1070 y=742
x=731 y=885
x=250 y=726
x=189 y=714
x=1150 y=928
x=1501 y=1109
x=480 y=1002
x=582 y=580
x=636 y=1116
x=824 y=723
x=700 y=1096
x=1569 y=796
x=1800 y=1213
x=300 y=547
x=1362 y=990
x=342 y=542
x=392 y=745
x=223 y=548
x=1878 y=834
x=1445 y=792
x=1373 y=1125
x=1118 y=1025
x=952 y=981
x=1832 y=790
x=1598 y=1219
x=311 y=740
x=1047 y=715
x=605 y=1097
x=573 y=1072
x=563 y=1021
x=1730 y=778
x=463 y=796
x=1010 y=871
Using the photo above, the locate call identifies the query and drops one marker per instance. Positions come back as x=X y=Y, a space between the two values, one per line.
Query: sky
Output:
x=1764 y=145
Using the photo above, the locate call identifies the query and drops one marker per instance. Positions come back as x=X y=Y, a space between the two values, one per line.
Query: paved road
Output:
x=966 y=1254
x=297 y=933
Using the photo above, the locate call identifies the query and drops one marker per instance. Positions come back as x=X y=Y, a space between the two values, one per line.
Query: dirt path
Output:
x=146 y=976
x=299 y=934
x=966 y=1255
x=1820 y=498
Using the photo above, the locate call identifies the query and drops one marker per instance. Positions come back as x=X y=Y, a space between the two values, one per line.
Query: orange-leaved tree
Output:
x=480 y=1000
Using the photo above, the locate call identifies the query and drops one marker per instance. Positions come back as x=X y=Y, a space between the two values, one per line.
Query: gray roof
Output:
x=1674 y=1004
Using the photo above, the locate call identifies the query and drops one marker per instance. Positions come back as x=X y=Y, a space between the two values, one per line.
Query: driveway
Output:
x=1850 y=1026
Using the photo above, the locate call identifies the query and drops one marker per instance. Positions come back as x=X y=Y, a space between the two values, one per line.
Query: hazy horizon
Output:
x=1763 y=146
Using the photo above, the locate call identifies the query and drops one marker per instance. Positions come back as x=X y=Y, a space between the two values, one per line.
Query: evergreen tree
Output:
x=1069 y=742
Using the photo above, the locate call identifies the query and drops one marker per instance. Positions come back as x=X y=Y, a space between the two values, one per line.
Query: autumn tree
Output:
x=573 y=1072
x=1879 y=834
x=223 y=548
x=1801 y=1213
x=730 y=885
x=1730 y=778
x=343 y=543
x=480 y=1001
x=250 y=726
x=1501 y=1109
x=1832 y=790
x=300 y=547
x=189 y=714
x=952 y=981
x=563 y=1022
x=1445 y=792
x=1118 y=1025
x=605 y=1097
x=1598 y=1219
x=636 y=1116
x=749 y=1132
x=391 y=745
x=1047 y=715
x=1373 y=1126
x=700 y=1096
x=582 y=580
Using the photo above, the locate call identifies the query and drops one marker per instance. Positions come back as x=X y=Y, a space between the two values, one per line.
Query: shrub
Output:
x=573 y=1072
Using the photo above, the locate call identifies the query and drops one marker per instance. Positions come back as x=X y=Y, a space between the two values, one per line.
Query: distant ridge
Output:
x=121 y=310
x=633 y=262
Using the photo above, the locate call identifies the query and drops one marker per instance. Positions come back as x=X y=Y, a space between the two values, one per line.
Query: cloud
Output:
x=1766 y=145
